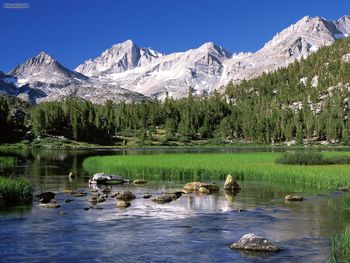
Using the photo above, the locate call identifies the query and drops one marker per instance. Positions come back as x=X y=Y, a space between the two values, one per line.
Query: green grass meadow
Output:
x=244 y=166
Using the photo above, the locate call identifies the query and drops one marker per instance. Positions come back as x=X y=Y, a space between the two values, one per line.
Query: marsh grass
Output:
x=340 y=246
x=6 y=163
x=15 y=192
x=311 y=158
x=244 y=166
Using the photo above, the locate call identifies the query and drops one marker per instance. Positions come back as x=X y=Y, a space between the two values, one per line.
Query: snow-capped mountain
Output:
x=42 y=78
x=128 y=72
x=119 y=58
x=209 y=67
x=44 y=68
x=294 y=42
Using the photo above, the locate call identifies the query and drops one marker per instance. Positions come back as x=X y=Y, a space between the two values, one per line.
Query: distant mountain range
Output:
x=130 y=73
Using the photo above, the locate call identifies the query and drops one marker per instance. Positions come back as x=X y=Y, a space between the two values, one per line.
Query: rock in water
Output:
x=139 y=181
x=114 y=194
x=46 y=197
x=231 y=184
x=147 y=195
x=51 y=204
x=125 y=195
x=253 y=242
x=194 y=186
x=123 y=204
x=203 y=190
x=174 y=194
x=294 y=198
x=343 y=188
x=102 y=178
x=163 y=199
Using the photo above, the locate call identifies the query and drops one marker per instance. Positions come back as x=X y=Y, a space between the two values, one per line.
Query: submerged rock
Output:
x=195 y=186
x=123 y=204
x=231 y=184
x=139 y=181
x=253 y=242
x=125 y=195
x=46 y=197
x=294 y=198
x=343 y=188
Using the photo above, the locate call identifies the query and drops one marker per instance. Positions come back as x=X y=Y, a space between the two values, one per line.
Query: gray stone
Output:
x=125 y=195
x=253 y=242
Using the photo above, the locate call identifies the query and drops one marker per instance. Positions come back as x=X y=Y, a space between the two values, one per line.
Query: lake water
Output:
x=194 y=228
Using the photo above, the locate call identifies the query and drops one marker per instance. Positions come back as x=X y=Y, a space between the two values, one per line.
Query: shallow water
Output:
x=194 y=228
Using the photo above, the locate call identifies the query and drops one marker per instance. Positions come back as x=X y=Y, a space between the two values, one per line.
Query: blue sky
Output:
x=75 y=30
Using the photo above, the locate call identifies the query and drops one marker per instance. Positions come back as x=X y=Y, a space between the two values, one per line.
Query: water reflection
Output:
x=193 y=228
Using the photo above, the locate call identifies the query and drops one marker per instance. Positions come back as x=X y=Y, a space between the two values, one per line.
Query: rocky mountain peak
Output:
x=43 y=68
x=211 y=47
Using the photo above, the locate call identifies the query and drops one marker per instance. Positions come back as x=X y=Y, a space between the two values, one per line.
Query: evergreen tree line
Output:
x=306 y=101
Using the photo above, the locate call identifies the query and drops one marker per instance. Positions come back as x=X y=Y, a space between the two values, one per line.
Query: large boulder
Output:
x=231 y=184
x=252 y=242
x=195 y=186
x=125 y=195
